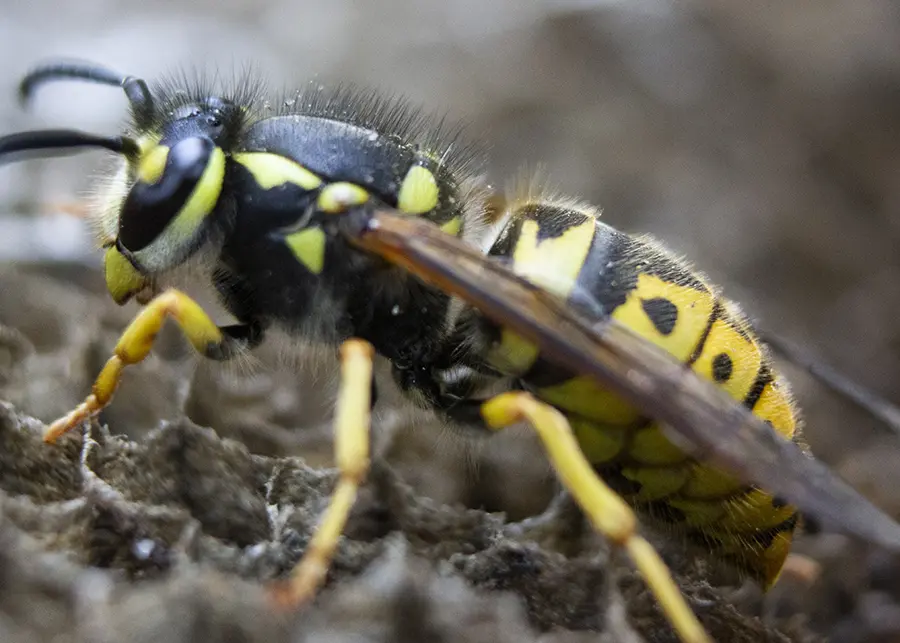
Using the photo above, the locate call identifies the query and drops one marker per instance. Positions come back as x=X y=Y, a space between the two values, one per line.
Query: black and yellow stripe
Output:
x=604 y=272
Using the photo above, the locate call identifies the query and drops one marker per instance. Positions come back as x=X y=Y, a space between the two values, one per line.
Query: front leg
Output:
x=208 y=339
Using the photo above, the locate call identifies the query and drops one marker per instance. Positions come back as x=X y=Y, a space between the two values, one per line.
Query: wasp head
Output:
x=157 y=209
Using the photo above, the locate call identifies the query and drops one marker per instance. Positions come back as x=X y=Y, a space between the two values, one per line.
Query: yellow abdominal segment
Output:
x=673 y=308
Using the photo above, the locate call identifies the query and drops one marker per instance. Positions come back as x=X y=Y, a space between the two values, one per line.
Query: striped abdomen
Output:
x=603 y=272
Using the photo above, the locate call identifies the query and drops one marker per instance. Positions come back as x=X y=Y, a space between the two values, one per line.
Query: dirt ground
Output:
x=759 y=139
x=165 y=533
x=199 y=484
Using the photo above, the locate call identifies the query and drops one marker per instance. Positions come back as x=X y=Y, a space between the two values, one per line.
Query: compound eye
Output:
x=158 y=197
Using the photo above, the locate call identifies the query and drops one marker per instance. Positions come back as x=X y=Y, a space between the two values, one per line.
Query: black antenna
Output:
x=56 y=139
x=136 y=90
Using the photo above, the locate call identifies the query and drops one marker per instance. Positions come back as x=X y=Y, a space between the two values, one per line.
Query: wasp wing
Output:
x=862 y=397
x=703 y=419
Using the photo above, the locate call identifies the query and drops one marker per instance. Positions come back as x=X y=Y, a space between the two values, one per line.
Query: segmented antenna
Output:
x=14 y=145
x=136 y=89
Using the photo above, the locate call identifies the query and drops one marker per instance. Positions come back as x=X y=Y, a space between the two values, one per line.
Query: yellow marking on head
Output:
x=730 y=359
x=650 y=446
x=336 y=198
x=656 y=484
x=707 y=482
x=419 y=191
x=774 y=406
x=453 y=226
x=513 y=354
x=203 y=198
x=553 y=263
x=271 y=170
x=152 y=164
x=599 y=443
x=308 y=247
x=147 y=142
x=583 y=396
x=122 y=279
x=652 y=297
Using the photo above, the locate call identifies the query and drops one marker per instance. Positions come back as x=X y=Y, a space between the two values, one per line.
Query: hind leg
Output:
x=609 y=514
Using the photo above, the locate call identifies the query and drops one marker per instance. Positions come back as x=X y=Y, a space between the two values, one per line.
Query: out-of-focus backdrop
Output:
x=762 y=140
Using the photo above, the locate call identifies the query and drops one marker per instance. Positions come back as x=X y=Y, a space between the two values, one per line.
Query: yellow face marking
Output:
x=308 y=247
x=513 y=354
x=730 y=359
x=202 y=200
x=599 y=444
x=583 y=396
x=147 y=142
x=152 y=164
x=650 y=446
x=671 y=316
x=336 y=198
x=656 y=483
x=418 y=192
x=453 y=226
x=774 y=406
x=122 y=279
x=271 y=170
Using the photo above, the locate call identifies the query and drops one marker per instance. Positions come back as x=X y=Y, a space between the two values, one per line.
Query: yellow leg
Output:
x=605 y=509
x=351 y=429
x=135 y=345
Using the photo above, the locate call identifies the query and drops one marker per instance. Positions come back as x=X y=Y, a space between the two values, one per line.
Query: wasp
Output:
x=346 y=219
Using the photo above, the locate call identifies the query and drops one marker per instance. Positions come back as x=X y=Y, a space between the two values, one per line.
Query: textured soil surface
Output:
x=165 y=519
x=171 y=532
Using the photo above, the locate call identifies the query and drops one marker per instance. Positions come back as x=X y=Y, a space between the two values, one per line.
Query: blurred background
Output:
x=762 y=140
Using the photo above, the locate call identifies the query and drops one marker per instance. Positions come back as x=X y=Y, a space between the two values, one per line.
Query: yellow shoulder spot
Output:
x=271 y=170
x=308 y=246
x=419 y=191
x=336 y=198
x=671 y=316
x=553 y=263
x=152 y=164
